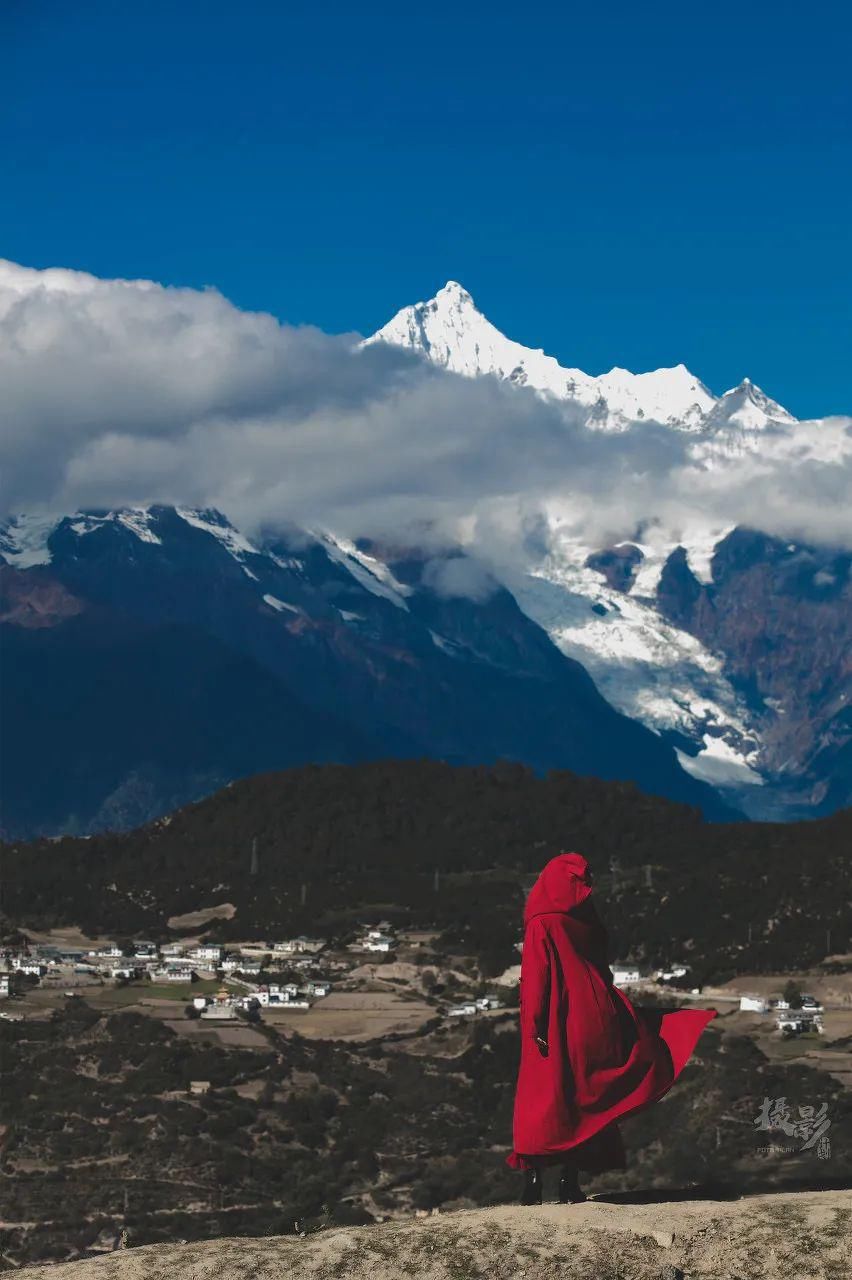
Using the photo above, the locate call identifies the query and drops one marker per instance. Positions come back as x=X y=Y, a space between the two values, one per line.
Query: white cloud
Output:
x=126 y=392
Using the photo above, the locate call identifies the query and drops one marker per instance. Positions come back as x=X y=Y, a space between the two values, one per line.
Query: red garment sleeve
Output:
x=535 y=981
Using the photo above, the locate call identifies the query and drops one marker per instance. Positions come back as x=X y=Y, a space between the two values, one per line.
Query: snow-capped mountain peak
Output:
x=451 y=332
x=747 y=407
x=455 y=293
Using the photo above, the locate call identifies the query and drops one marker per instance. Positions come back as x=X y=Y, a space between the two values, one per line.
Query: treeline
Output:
x=424 y=843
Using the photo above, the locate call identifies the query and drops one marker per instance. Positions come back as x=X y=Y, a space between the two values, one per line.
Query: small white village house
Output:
x=174 y=973
x=297 y=946
x=467 y=1010
x=753 y=1004
x=377 y=940
x=206 y=951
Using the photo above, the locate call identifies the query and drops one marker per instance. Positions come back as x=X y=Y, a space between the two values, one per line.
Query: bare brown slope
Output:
x=802 y=1234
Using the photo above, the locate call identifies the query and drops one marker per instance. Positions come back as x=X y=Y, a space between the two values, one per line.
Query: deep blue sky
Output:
x=625 y=183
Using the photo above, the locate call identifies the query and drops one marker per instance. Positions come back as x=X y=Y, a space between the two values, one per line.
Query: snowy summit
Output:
x=450 y=331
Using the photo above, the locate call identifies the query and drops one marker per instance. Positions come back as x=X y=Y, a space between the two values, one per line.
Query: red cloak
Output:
x=604 y=1059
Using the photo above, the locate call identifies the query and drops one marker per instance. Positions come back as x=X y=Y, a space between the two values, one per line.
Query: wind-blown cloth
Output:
x=604 y=1059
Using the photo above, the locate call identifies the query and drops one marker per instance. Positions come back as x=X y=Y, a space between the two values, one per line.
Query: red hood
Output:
x=563 y=884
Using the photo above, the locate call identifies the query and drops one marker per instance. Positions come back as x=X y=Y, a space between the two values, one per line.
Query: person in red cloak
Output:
x=588 y=1057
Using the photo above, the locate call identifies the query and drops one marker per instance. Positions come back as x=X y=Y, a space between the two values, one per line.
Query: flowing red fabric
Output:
x=604 y=1059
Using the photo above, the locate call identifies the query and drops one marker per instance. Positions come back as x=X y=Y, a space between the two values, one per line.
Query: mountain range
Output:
x=732 y=643
x=152 y=654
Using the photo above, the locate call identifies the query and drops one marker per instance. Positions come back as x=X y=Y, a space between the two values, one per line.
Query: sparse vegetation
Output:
x=102 y=1132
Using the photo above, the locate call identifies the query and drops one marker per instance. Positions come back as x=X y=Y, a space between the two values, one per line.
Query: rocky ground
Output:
x=803 y=1234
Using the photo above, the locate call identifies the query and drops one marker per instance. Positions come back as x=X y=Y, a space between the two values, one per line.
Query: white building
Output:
x=484 y=1003
x=297 y=946
x=145 y=951
x=108 y=952
x=375 y=941
x=285 y=993
x=173 y=973
x=796 y=1023
x=753 y=1004
x=624 y=975
x=467 y=1010
x=172 y=951
x=206 y=951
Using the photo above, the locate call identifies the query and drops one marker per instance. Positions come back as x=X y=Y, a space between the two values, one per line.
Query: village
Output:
x=381 y=981
x=795 y=1013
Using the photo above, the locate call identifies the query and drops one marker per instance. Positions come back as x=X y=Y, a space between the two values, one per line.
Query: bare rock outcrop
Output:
x=806 y=1235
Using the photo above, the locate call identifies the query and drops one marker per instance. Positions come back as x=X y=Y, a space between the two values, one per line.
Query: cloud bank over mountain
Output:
x=127 y=393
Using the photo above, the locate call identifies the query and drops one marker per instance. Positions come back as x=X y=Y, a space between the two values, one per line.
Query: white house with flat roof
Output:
x=753 y=1004
x=173 y=973
x=209 y=952
x=297 y=946
x=375 y=941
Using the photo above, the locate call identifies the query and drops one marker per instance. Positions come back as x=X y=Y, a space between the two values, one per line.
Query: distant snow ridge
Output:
x=137 y=520
x=214 y=523
x=23 y=540
x=450 y=331
x=645 y=667
x=369 y=572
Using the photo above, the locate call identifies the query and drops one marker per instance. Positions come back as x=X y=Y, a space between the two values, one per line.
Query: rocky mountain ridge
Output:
x=756 y=706
x=153 y=655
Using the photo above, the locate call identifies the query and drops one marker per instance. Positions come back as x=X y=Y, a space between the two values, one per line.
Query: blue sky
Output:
x=632 y=184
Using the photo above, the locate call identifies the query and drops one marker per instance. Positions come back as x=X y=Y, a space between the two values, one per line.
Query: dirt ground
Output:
x=806 y=1235
x=354 y=1015
x=828 y=988
x=70 y=937
x=195 y=919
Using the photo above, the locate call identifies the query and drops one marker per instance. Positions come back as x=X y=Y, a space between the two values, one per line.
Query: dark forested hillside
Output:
x=427 y=843
x=140 y=674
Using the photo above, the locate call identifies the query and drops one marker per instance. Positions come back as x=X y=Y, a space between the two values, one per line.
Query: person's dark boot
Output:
x=570 y=1191
x=532 y=1187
